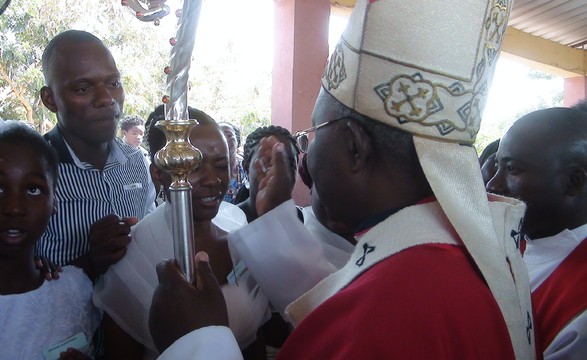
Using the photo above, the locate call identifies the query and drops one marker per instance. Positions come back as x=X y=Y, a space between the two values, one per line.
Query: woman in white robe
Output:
x=125 y=291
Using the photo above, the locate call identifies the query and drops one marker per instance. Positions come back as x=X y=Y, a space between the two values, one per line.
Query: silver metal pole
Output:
x=178 y=158
x=183 y=229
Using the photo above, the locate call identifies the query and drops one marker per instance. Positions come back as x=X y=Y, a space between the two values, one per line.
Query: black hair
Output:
x=19 y=133
x=130 y=121
x=395 y=147
x=74 y=36
x=266 y=131
x=156 y=138
x=235 y=129
x=249 y=148
x=581 y=105
x=565 y=126
x=489 y=150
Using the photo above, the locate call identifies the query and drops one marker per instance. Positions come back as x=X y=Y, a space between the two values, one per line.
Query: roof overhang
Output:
x=545 y=35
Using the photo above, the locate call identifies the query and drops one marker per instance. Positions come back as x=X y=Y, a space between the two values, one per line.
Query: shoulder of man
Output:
x=56 y=140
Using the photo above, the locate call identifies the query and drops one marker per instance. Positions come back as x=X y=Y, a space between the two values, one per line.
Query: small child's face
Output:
x=26 y=198
x=134 y=136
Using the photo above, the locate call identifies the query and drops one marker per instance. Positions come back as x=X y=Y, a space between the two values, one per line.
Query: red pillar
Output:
x=575 y=90
x=301 y=52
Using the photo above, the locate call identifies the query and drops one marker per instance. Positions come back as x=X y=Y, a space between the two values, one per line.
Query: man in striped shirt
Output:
x=104 y=185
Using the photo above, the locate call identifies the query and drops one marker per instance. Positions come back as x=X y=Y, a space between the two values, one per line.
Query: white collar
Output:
x=115 y=153
x=559 y=246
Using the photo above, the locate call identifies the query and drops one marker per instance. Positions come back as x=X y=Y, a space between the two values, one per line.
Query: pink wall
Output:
x=301 y=52
x=575 y=90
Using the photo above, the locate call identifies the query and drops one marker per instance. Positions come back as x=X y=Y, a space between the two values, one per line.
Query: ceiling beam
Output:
x=545 y=55
x=344 y=3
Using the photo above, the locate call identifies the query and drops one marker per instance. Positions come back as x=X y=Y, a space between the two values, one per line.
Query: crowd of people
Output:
x=413 y=247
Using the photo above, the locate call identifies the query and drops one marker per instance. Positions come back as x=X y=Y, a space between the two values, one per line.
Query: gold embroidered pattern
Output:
x=335 y=72
x=408 y=97
x=495 y=26
x=414 y=99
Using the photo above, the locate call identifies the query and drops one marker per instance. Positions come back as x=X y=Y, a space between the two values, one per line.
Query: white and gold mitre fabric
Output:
x=421 y=66
x=425 y=66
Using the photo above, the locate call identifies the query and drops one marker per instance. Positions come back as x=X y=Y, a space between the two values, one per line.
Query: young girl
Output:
x=39 y=319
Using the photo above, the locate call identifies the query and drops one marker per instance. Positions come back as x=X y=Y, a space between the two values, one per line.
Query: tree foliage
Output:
x=141 y=51
x=493 y=129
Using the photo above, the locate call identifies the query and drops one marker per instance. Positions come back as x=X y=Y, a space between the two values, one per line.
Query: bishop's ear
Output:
x=360 y=146
x=47 y=98
x=576 y=181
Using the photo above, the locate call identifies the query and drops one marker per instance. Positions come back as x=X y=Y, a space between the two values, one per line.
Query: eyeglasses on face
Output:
x=302 y=136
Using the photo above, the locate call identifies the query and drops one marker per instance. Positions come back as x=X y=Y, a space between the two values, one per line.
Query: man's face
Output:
x=326 y=163
x=529 y=168
x=134 y=136
x=85 y=92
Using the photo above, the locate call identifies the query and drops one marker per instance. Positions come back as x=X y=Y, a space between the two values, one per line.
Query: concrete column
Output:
x=575 y=90
x=301 y=52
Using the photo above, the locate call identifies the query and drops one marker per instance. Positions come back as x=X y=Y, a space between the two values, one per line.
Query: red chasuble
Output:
x=562 y=296
x=425 y=302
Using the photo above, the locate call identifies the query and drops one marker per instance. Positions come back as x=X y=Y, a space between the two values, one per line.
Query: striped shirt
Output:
x=85 y=194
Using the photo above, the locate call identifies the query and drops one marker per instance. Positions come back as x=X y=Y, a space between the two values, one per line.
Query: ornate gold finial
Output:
x=179 y=157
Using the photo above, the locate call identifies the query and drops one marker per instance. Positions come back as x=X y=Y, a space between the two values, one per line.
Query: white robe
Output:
x=40 y=319
x=126 y=290
x=299 y=257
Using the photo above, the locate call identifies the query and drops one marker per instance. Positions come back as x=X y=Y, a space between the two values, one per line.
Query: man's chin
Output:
x=103 y=137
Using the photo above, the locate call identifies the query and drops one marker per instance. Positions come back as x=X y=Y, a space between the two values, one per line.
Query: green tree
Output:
x=141 y=51
x=219 y=88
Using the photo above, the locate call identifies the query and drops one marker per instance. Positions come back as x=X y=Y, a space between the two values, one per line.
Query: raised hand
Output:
x=274 y=175
x=179 y=307
x=108 y=239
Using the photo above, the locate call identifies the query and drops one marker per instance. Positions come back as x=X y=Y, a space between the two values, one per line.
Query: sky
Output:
x=247 y=25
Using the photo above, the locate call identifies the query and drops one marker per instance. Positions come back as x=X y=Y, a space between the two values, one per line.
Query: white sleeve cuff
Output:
x=282 y=255
x=211 y=342
x=571 y=342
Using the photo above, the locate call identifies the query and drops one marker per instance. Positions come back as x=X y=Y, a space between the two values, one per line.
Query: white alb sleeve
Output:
x=212 y=342
x=281 y=254
x=571 y=342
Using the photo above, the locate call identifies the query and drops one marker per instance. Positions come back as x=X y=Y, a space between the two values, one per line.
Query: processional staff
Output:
x=179 y=157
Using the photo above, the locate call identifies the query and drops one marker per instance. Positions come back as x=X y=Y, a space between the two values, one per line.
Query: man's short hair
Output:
x=130 y=121
x=74 y=36
x=261 y=132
